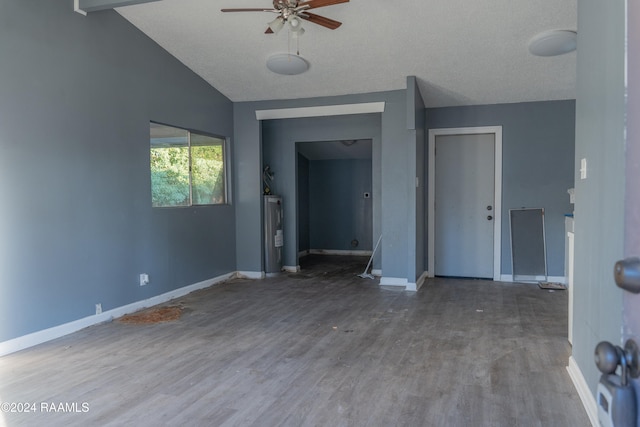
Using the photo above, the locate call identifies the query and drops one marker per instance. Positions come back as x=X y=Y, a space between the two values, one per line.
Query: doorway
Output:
x=335 y=209
x=464 y=212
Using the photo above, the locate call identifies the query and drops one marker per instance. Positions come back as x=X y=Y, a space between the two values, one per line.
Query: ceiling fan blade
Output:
x=320 y=20
x=312 y=4
x=249 y=10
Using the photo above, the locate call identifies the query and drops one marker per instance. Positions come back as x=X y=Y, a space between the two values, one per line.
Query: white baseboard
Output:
x=588 y=401
x=404 y=283
x=376 y=272
x=291 y=268
x=414 y=287
x=394 y=281
x=250 y=274
x=303 y=254
x=339 y=252
x=35 y=338
x=554 y=279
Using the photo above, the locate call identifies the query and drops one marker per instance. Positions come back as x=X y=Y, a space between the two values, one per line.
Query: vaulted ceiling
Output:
x=462 y=52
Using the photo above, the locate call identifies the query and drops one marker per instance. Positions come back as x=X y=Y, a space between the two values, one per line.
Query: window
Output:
x=187 y=168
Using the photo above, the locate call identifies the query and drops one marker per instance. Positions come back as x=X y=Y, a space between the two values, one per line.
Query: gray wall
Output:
x=247 y=180
x=303 y=203
x=398 y=167
x=600 y=138
x=416 y=126
x=76 y=97
x=393 y=181
x=338 y=212
x=279 y=152
x=538 y=141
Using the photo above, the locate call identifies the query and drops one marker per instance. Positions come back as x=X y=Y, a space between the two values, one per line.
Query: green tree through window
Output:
x=186 y=168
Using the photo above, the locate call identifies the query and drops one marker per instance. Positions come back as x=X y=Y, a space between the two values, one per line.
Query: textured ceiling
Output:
x=463 y=52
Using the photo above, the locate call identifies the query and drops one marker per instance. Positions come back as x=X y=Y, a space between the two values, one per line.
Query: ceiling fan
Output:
x=292 y=11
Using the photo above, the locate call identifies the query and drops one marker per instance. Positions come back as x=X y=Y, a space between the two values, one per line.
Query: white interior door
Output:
x=465 y=205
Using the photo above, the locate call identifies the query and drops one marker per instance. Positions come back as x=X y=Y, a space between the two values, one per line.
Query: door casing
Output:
x=497 y=225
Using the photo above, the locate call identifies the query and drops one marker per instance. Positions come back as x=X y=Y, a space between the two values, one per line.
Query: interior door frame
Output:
x=497 y=203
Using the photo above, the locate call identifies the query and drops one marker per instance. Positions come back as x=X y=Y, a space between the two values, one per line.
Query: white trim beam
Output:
x=320 y=111
x=87 y=6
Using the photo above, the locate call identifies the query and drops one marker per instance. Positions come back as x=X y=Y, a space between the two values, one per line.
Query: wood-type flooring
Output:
x=321 y=347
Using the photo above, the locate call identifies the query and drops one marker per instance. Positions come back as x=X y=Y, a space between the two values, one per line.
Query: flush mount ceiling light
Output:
x=553 y=43
x=287 y=64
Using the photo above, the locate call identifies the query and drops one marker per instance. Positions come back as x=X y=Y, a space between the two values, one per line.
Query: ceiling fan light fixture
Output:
x=297 y=33
x=277 y=24
x=287 y=64
x=553 y=43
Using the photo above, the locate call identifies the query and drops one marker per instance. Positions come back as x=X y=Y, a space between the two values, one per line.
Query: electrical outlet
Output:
x=144 y=279
x=98 y=309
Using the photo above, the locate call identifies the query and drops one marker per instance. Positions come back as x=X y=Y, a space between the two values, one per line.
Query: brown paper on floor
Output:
x=153 y=315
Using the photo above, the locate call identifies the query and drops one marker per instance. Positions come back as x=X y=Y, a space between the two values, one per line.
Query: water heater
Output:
x=273 y=237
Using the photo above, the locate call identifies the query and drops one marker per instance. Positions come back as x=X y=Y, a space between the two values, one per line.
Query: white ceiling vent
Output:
x=553 y=43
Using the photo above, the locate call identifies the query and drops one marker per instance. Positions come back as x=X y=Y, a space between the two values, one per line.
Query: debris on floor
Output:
x=153 y=315
x=551 y=285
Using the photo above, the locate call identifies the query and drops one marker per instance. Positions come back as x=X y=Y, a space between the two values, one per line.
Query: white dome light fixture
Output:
x=287 y=64
x=553 y=43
